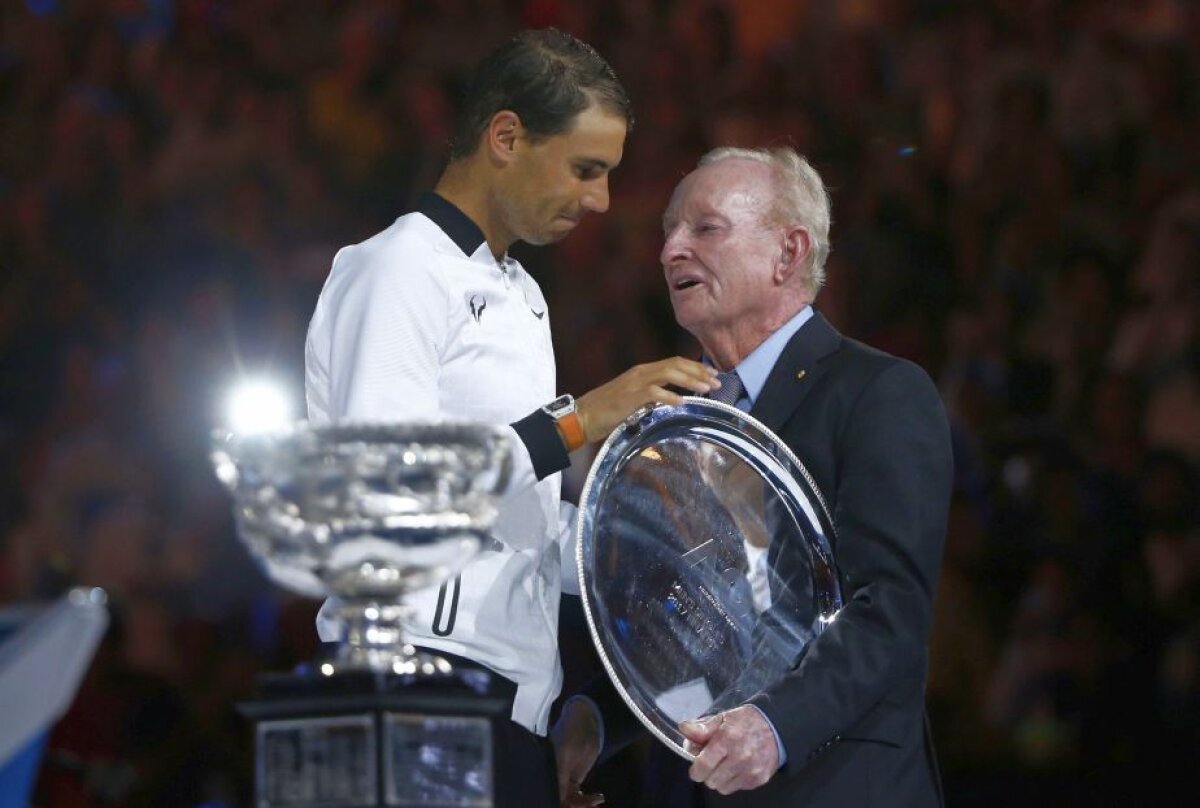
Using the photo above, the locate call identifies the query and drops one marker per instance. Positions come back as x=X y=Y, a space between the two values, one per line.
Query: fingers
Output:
x=684 y=373
x=698 y=731
x=664 y=396
x=706 y=763
x=722 y=780
x=677 y=371
x=601 y=409
x=706 y=733
x=740 y=752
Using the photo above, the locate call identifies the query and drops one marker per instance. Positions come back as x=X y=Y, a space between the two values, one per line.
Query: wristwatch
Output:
x=566 y=418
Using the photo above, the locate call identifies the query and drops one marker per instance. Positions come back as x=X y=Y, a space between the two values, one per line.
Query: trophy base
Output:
x=375 y=739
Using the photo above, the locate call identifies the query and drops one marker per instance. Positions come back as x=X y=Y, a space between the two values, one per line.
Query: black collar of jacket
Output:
x=454 y=223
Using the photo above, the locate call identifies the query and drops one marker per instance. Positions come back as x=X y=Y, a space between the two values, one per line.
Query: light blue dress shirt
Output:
x=753 y=371
x=755 y=368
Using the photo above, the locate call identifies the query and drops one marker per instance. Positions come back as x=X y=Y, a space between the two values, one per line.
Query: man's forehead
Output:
x=726 y=186
x=593 y=150
x=735 y=173
x=594 y=124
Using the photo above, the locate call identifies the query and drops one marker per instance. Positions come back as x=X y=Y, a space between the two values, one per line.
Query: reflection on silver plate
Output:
x=704 y=562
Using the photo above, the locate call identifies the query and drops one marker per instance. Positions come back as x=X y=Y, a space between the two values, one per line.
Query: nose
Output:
x=674 y=247
x=595 y=197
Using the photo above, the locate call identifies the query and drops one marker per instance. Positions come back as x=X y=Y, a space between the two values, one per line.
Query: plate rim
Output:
x=600 y=461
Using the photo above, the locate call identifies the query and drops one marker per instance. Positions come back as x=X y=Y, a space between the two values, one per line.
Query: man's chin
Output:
x=689 y=317
x=548 y=237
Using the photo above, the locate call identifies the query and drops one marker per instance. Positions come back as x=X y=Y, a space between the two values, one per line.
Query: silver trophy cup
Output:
x=362 y=514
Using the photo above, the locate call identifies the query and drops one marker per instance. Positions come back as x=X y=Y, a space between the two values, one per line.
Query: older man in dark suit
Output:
x=746 y=236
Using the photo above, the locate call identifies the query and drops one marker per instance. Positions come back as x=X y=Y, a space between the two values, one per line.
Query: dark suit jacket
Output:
x=872 y=431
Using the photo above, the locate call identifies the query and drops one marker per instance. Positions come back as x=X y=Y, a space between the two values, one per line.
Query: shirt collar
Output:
x=465 y=234
x=755 y=368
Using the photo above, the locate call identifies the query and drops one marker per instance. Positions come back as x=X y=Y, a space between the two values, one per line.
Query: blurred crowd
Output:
x=1016 y=208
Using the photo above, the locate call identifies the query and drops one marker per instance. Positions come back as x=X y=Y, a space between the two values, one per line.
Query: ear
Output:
x=501 y=136
x=794 y=254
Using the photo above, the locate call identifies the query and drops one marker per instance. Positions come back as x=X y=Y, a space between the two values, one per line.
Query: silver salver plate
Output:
x=704 y=562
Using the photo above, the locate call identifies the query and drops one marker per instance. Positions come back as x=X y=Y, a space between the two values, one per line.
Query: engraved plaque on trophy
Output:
x=316 y=761
x=438 y=760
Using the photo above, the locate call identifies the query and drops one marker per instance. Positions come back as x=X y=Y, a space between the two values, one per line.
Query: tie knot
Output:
x=731 y=388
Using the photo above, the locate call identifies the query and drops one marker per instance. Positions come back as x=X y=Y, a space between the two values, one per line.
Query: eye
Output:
x=706 y=227
x=588 y=172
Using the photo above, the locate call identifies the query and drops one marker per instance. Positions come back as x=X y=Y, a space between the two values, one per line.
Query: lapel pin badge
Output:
x=801 y=374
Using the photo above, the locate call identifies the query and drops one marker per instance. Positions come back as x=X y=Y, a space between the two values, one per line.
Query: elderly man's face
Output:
x=720 y=254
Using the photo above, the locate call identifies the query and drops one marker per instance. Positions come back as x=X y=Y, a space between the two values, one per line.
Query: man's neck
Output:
x=462 y=186
x=725 y=351
x=728 y=347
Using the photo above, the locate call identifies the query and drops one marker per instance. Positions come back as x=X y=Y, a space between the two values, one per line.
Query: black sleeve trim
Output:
x=546 y=448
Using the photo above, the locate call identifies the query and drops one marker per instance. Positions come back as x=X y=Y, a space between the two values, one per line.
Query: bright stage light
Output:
x=257 y=406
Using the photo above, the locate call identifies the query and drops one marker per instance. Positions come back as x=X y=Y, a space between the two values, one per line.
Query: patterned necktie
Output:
x=731 y=388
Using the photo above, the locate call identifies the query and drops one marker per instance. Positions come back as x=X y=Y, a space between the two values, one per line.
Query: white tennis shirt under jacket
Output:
x=421 y=322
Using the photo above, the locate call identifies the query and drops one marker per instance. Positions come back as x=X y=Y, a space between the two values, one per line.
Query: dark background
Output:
x=1016 y=208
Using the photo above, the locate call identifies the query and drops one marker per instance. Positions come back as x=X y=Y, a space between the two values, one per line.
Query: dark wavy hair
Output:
x=546 y=77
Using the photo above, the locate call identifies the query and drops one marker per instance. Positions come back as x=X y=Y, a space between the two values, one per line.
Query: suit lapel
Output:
x=796 y=372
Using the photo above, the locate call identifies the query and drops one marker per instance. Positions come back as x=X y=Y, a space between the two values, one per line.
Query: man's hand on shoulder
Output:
x=737 y=750
x=601 y=409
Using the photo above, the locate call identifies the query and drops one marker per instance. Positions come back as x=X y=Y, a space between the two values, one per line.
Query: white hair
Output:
x=800 y=198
